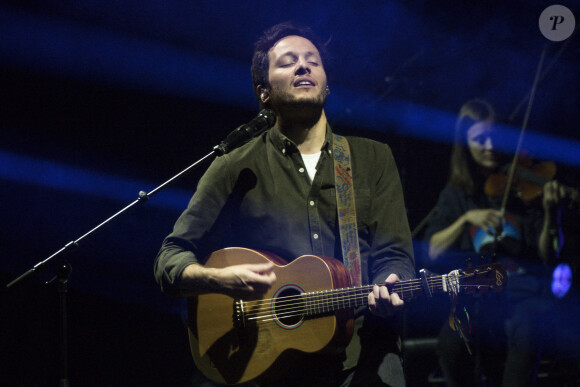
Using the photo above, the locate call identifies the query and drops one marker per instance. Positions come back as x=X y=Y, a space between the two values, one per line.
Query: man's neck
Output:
x=308 y=135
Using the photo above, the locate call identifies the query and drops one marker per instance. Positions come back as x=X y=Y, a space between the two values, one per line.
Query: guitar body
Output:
x=229 y=351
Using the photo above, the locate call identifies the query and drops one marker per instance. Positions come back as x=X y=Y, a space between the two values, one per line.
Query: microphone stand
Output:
x=62 y=274
x=243 y=133
x=64 y=270
x=72 y=245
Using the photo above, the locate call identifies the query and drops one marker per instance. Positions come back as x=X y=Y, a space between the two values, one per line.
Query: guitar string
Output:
x=325 y=294
x=311 y=304
x=400 y=287
x=333 y=298
x=299 y=311
x=341 y=294
x=303 y=307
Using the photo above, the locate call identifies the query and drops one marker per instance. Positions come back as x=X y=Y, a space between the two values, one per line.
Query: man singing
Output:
x=277 y=193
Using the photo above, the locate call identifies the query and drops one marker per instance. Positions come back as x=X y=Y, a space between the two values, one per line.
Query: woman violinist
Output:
x=470 y=222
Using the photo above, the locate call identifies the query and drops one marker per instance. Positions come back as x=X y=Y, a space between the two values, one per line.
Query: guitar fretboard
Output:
x=328 y=301
x=480 y=279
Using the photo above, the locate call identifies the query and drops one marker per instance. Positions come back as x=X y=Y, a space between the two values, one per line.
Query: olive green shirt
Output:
x=260 y=196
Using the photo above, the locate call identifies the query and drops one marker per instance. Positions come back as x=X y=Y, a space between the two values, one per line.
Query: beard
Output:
x=304 y=107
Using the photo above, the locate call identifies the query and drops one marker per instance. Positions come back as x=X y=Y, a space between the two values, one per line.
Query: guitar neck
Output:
x=326 y=301
x=481 y=279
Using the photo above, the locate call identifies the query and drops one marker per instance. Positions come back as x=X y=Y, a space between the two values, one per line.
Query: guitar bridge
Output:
x=239 y=314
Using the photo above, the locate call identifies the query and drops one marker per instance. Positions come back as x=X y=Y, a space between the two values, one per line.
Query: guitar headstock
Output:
x=482 y=279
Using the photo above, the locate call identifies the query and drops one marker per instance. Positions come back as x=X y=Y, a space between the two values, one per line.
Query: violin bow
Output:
x=521 y=137
x=512 y=116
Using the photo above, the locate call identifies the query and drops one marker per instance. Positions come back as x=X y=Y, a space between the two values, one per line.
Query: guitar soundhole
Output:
x=289 y=307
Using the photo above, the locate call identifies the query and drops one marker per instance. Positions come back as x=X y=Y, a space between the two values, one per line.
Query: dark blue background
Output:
x=102 y=99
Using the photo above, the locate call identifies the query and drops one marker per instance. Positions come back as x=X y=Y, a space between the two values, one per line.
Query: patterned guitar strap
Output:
x=346 y=208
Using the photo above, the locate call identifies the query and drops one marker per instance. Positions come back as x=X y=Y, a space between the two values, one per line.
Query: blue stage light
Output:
x=51 y=174
x=561 y=280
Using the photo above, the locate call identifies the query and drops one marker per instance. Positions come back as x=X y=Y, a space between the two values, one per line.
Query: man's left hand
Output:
x=381 y=302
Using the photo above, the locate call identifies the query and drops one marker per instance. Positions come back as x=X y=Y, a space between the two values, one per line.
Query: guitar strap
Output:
x=346 y=208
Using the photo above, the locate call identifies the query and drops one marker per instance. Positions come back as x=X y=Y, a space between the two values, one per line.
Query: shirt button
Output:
x=315 y=236
x=283 y=151
x=301 y=170
x=312 y=202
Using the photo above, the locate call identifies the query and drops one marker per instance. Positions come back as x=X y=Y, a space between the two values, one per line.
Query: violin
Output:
x=528 y=181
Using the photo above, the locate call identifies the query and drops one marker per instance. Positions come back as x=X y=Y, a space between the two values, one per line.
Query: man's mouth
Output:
x=303 y=83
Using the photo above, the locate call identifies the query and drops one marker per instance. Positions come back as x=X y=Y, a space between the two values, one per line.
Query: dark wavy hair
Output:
x=462 y=166
x=260 y=60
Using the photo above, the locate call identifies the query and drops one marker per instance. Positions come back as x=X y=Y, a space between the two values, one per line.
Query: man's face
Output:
x=296 y=73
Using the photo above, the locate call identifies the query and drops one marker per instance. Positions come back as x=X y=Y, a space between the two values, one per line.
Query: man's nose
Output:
x=302 y=67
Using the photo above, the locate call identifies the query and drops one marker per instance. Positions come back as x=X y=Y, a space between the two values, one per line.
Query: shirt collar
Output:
x=286 y=146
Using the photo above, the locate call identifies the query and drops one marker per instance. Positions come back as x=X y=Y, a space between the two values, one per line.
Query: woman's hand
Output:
x=487 y=219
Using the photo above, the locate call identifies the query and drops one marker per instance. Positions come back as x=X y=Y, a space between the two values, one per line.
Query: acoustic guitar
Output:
x=309 y=309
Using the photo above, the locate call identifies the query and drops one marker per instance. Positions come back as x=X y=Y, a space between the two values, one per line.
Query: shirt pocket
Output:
x=362 y=200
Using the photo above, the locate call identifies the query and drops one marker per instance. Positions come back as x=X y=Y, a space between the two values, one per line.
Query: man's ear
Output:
x=264 y=94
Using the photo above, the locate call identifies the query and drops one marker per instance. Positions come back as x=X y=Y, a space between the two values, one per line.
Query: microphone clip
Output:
x=243 y=133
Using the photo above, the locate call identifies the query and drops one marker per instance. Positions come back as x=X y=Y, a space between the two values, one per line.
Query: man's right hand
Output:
x=246 y=279
x=236 y=281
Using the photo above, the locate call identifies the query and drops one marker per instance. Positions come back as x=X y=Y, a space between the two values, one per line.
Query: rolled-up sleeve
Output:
x=195 y=229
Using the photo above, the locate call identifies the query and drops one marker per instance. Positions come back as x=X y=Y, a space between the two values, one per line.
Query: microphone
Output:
x=264 y=120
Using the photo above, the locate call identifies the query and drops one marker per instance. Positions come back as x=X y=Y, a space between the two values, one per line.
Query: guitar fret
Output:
x=398 y=289
x=315 y=303
x=333 y=300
